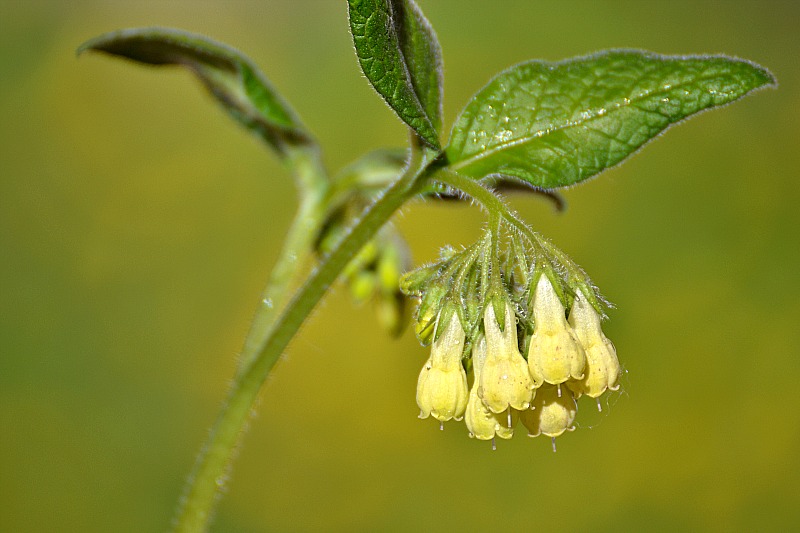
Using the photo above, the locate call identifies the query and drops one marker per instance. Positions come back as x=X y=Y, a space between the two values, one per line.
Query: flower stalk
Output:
x=209 y=474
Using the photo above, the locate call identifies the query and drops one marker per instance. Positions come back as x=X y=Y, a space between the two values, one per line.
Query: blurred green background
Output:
x=138 y=225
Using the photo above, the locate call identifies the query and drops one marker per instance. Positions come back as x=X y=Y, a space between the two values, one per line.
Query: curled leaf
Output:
x=237 y=84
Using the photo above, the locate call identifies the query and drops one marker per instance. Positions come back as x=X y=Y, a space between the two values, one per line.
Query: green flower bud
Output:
x=389 y=265
x=442 y=385
x=481 y=422
x=427 y=311
x=554 y=354
x=391 y=311
x=552 y=412
x=413 y=283
x=505 y=380
x=362 y=285
x=602 y=366
x=365 y=257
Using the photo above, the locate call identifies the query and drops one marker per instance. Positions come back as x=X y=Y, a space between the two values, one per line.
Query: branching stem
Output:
x=495 y=206
x=210 y=470
x=312 y=185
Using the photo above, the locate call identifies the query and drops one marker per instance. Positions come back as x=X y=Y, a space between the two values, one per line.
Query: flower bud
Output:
x=391 y=311
x=362 y=285
x=363 y=259
x=413 y=283
x=427 y=313
x=442 y=385
x=554 y=355
x=602 y=366
x=505 y=380
x=481 y=422
x=553 y=412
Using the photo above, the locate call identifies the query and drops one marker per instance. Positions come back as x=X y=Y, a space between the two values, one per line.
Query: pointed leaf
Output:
x=400 y=55
x=556 y=124
x=229 y=76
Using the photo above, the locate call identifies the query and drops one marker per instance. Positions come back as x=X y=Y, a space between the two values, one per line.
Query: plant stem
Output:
x=210 y=470
x=312 y=187
x=495 y=206
x=487 y=199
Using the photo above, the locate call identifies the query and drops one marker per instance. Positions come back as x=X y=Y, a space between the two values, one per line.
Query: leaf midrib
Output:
x=530 y=138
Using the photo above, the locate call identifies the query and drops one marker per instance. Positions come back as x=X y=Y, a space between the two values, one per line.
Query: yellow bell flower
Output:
x=553 y=412
x=442 y=385
x=481 y=422
x=554 y=354
x=505 y=380
x=602 y=366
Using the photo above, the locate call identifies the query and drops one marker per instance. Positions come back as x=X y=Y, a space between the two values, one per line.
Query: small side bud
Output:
x=505 y=380
x=554 y=354
x=602 y=366
x=442 y=385
x=362 y=285
x=391 y=311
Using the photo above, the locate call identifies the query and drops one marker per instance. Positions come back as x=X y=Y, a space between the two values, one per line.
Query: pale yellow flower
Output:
x=442 y=385
x=602 y=365
x=481 y=422
x=553 y=412
x=505 y=380
x=554 y=354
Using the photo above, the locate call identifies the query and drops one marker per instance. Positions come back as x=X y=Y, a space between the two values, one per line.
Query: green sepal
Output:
x=236 y=83
x=445 y=315
x=499 y=302
x=471 y=300
x=427 y=311
x=414 y=282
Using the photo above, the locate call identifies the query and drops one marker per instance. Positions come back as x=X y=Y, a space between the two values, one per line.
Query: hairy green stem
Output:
x=312 y=185
x=487 y=199
x=495 y=206
x=210 y=470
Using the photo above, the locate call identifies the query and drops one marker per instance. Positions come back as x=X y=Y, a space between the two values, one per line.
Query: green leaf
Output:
x=400 y=55
x=556 y=124
x=229 y=76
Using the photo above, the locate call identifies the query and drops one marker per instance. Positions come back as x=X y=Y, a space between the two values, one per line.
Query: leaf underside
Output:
x=400 y=55
x=229 y=76
x=556 y=124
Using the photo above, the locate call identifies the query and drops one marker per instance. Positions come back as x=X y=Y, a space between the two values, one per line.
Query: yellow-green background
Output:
x=138 y=224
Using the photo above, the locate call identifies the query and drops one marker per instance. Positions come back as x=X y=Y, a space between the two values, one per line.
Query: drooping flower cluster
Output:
x=506 y=320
